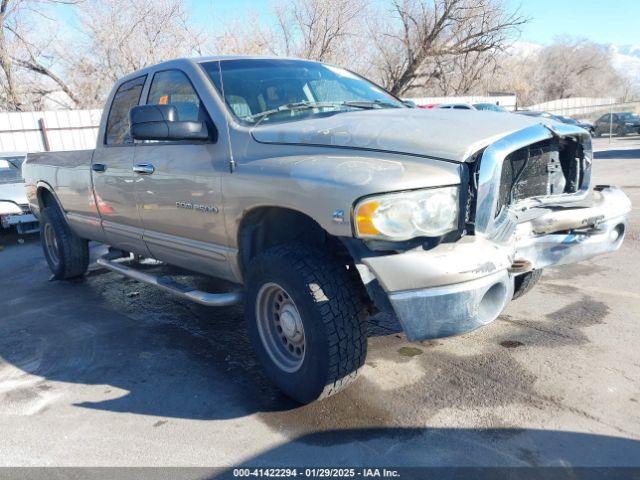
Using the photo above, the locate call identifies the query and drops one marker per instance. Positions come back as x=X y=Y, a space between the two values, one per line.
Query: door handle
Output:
x=98 y=167
x=144 y=168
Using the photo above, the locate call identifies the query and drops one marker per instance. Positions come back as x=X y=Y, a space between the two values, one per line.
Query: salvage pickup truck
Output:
x=324 y=199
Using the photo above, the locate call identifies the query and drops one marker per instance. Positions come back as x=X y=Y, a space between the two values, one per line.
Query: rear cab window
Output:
x=126 y=97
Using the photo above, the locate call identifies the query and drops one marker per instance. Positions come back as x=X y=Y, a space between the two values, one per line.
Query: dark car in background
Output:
x=560 y=118
x=588 y=126
x=457 y=106
x=533 y=113
x=491 y=107
x=620 y=123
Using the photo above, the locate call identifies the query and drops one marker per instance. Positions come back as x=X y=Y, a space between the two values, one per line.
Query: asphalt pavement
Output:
x=104 y=371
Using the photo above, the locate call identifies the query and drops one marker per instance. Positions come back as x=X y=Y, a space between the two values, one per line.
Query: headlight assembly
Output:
x=406 y=215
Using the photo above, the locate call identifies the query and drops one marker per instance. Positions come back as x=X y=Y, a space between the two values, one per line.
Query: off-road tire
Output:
x=72 y=258
x=329 y=299
x=525 y=282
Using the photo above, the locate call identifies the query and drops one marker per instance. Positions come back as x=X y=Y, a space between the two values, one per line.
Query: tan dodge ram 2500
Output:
x=324 y=198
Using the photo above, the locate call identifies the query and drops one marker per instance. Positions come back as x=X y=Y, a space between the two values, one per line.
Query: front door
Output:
x=178 y=186
x=112 y=173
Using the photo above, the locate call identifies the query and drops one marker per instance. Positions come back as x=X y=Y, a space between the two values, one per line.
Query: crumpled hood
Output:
x=442 y=133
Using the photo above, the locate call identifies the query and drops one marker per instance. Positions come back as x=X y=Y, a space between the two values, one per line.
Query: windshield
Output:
x=11 y=169
x=270 y=91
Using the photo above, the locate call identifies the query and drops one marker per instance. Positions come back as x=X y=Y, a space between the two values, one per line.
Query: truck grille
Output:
x=540 y=169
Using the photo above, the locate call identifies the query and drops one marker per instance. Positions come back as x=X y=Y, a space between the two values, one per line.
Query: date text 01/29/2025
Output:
x=316 y=472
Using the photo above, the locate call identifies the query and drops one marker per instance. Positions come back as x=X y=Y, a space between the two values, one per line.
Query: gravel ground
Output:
x=105 y=371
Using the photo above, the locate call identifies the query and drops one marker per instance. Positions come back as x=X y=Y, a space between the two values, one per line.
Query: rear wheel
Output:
x=67 y=254
x=305 y=317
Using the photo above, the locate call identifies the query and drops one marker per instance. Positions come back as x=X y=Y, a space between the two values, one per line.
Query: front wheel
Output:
x=305 y=318
x=525 y=282
x=67 y=254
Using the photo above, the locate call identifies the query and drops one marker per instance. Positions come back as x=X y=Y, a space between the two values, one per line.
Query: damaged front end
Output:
x=530 y=207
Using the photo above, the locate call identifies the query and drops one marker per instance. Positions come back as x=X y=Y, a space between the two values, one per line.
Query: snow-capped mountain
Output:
x=630 y=50
x=626 y=59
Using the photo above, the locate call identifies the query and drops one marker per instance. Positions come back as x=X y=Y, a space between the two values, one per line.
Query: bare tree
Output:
x=421 y=31
x=10 y=95
x=26 y=55
x=324 y=30
x=456 y=74
x=244 y=37
x=567 y=68
x=121 y=36
x=573 y=68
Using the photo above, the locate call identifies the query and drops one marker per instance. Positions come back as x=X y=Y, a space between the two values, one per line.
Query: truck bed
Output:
x=68 y=174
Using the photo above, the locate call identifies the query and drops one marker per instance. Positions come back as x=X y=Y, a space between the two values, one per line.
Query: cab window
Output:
x=172 y=87
x=127 y=96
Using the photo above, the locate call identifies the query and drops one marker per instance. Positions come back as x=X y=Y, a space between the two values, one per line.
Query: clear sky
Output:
x=603 y=21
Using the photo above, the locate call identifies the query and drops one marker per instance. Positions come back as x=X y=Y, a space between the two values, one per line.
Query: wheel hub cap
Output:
x=291 y=323
x=280 y=327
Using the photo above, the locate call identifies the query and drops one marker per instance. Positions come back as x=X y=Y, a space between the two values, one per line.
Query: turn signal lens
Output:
x=364 y=218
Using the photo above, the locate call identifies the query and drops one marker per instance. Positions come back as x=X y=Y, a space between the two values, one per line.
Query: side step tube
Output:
x=189 y=293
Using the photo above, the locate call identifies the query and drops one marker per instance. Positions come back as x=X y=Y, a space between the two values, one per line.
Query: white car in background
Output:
x=14 y=207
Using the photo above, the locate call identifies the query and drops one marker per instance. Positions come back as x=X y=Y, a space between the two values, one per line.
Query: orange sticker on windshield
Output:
x=164 y=100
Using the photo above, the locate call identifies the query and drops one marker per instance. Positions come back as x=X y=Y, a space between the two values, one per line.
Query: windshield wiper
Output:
x=364 y=104
x=289 y=107
x=369 y=104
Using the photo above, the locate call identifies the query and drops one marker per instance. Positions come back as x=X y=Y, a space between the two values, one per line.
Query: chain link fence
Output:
x=608 y=119
x=591 y=112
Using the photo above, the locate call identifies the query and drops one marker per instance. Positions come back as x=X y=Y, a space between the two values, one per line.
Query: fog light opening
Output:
x=492 y=302
x=617 y=233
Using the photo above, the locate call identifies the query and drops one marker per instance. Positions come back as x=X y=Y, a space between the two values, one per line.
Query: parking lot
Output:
x=106 y=371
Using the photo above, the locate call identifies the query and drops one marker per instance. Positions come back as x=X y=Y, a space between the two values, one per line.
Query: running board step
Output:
x=168 y=284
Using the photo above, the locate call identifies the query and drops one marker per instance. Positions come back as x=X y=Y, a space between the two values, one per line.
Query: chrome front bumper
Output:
x=457 y=287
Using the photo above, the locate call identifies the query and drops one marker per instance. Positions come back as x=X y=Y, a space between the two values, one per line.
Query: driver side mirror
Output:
x=160 y=122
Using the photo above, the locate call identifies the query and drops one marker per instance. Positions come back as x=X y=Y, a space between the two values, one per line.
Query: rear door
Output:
x=180 y=195
x=112 y=172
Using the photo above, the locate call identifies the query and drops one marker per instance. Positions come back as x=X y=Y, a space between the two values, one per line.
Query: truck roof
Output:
x=213 y=58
